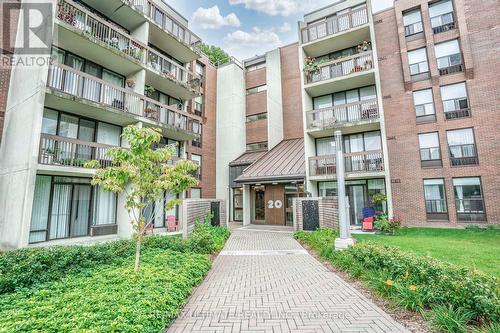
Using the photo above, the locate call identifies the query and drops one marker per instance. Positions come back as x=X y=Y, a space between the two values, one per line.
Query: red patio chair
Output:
x=171 y=223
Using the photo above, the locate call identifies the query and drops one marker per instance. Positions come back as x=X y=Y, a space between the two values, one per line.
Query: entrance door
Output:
x=275 y=206
x=357 y=202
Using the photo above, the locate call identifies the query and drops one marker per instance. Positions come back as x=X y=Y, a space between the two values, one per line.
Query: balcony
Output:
x=88 y=95
x=461 y=155
x=328 y=77
x=352 y=114
x=457 y=114
x=351 y=27
x=355 y=164
x=470 y=210
x=114 y=40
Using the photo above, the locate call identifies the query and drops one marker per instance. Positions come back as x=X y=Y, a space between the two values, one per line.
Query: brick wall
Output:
x=327 y=209
x=478 y=32
x=194 y=210
x=292 y=97
x=255 y=78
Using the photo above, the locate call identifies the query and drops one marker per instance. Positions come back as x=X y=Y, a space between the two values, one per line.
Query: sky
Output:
x=245 y=28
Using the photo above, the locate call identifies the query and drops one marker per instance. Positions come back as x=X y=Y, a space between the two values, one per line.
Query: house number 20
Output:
x=274 y=204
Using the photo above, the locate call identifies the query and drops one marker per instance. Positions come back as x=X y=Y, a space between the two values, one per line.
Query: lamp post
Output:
x=345 y=240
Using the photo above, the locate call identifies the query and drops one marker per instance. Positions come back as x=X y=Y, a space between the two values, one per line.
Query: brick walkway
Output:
x=264 y=281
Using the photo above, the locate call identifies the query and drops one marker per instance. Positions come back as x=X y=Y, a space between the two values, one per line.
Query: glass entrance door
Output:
x=356 y=194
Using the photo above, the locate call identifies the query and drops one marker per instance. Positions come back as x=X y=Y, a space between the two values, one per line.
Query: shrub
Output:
x=449 y=319
x=108 y=299
x=387 y=226
x=435 y=283
x=25 y=268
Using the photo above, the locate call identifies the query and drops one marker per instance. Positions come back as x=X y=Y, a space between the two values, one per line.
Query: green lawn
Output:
x=471 y=248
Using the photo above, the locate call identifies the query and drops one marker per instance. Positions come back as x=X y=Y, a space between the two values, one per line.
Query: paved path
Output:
x=264 y=281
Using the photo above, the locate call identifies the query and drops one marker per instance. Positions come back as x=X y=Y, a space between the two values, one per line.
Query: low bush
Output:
x=449 y=319
x=108 y=299
x=25 y=268
x=414 y=282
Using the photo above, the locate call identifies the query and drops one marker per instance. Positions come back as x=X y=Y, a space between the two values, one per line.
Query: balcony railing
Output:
x=99 y=29
x=341 y=67
x=342 y=114
x=470 y=210
x=335 y=25
x=166 y=21
x=88 y=87
x=58 y=150
x=451 y=69
x=369 y=161
x=463 y=155
x=456 y=114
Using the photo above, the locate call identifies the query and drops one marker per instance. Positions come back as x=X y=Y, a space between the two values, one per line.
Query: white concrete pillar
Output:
x=345 y=238
x=247 y=205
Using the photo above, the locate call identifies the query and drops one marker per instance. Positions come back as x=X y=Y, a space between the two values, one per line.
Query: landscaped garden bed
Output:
x=94 y=288
x=453 y=298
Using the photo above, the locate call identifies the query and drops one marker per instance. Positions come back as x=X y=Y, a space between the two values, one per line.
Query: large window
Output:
x=412 y=21
x=462 y=147
x=435 y=199
x=424 y=105
x=65 y=207
x=325 y=146
x=363 y=152
x=430 y=152
x=455 y=101
x=418 y=61
x=449 y=57
x=469 y=199
x=237 y=204
x=197 y=159
x=442 y=17
x=255 y=90
x=196 y=193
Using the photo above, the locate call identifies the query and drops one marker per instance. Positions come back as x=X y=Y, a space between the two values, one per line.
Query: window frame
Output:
x=435 y=215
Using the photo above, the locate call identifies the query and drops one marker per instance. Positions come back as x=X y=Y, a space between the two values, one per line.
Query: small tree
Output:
x=143 y=174
x=215 y=54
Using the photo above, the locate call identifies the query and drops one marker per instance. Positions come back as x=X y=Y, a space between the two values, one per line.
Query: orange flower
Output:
x=389 y=282
x=413 y=288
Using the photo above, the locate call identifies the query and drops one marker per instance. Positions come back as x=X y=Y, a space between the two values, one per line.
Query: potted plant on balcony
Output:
x=130 y=83
x=365 y=46
x=311 y=67
x=149 y=90
x=114 y=42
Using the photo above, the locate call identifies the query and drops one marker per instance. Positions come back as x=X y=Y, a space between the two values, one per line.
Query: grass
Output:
x=475 y=249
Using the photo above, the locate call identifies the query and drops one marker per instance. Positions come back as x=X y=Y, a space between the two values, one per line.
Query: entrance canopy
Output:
x=283 y=163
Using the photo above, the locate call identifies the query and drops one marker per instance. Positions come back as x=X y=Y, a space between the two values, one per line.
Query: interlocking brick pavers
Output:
x=263 y=281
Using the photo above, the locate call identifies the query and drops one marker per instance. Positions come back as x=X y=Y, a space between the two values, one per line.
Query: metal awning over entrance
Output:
x=283 y=163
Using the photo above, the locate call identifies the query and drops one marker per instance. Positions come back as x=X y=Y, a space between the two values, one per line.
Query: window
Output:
x=435 y=199
x=237 y=204
x=455 y=101
x=325 y=146
x=412 y=21
x=197 y=159
x=196 y=193
x=255 y=90
x=234 y=172
x=327 y=189
x=198 y=105
x=424 y=105
x=363 y=152
x=449 y=58
x=418 y=61
x=430 y=152
x=469 y=199
x=442 y=17
x=462 y=147
x=200 y=69
x=68 y=213
x=257 y=146
x=256 y=117
x=256 y=67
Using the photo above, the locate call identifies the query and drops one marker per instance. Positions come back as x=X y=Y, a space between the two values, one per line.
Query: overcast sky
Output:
x=246 y=28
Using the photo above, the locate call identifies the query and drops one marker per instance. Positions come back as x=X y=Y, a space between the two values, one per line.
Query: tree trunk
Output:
x=137 y=253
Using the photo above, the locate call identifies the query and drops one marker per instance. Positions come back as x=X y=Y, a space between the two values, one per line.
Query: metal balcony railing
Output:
x=340 y=115
x=98 y=29
x=463 y=155
x=68 y=80
x=368 y=161
x=334 y=25
x=341 y=67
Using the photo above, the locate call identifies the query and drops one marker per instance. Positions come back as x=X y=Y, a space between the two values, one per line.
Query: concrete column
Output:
x=345 y=239
x=247 y=205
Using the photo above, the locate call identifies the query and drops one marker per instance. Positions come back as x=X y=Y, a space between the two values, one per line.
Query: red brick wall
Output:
x=478 y=26
x=291 y=93
x=255 y=78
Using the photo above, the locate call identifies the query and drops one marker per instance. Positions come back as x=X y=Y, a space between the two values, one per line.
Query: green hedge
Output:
x=432 y=282
x=25 y=268
x=108 y=299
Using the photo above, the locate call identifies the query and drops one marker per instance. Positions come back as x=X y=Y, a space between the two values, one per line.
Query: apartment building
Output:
x=114 y=65
x=260 y=155
x=440 y=86
x=342 y=107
